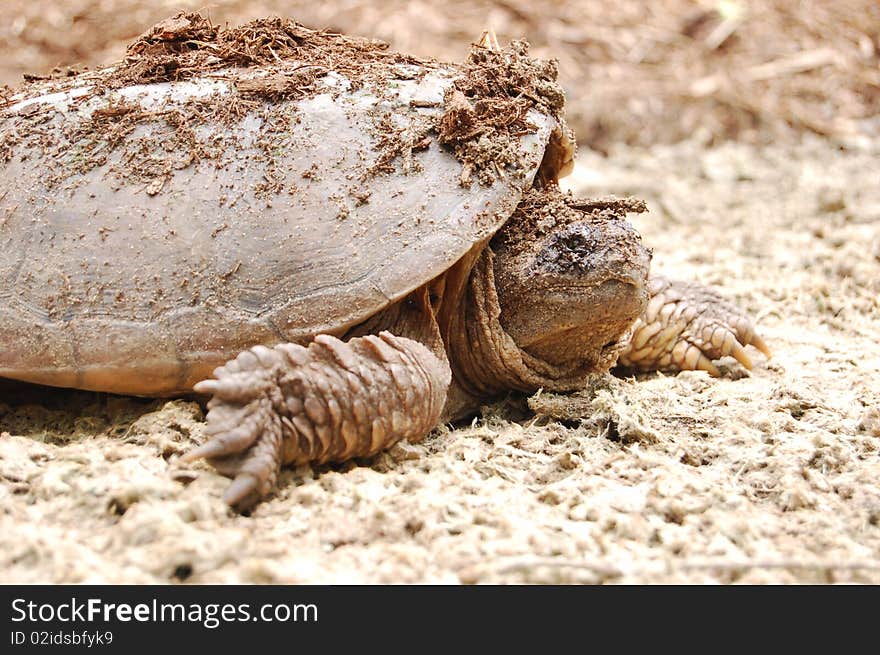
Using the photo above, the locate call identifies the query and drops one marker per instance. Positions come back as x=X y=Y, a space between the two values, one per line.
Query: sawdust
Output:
x=543 y=211
x=266 y=61
x=270 y=64
x=281 y=86
x=603 y=407
x=484 y=117
x=486 y=108
x=188 y=45
x=768 y=478
x=399 y=142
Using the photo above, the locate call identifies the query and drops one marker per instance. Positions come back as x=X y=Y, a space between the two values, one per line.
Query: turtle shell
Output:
x=148 y=232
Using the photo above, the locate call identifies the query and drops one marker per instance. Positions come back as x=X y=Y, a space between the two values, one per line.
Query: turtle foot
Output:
x=244 y=425
x=331 y=401
x=686 y=327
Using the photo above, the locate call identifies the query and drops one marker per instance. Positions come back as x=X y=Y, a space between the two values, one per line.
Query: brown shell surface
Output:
x=117 y=281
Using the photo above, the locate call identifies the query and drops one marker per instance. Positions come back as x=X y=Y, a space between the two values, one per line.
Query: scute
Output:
x=269 y=233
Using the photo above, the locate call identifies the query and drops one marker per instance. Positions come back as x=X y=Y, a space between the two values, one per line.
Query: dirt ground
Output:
x=635 y=72
x=768 y=477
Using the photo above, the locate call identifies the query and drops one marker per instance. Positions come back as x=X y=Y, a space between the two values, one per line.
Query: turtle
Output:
x=339 y=245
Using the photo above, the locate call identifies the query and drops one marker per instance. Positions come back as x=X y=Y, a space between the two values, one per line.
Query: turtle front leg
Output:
x=330 y=401
x=685 y=326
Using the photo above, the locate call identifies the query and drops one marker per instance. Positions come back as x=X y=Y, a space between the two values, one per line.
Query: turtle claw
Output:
x=243 y=426
x=762 y=346
x=209 y=449
x=250 y=453
x=685 y=327
x=243 y=493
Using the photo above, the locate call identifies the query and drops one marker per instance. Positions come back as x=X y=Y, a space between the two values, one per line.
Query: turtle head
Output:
x=571 y=278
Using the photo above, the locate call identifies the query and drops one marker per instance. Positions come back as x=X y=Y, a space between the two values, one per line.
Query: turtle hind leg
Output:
x=685 y=327
x=330 y=401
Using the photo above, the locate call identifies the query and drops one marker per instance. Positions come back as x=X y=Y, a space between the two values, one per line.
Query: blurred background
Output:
x=635 y=72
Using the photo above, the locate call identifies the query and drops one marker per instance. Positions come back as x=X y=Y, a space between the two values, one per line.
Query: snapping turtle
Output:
x=357 y=244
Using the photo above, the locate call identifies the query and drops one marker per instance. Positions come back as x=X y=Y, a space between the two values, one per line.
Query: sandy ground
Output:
x=772 y=476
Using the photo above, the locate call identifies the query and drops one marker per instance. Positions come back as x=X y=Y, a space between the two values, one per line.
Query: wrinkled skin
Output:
x=561 y=292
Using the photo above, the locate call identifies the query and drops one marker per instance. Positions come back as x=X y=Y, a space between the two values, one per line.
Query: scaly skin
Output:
x=685 y=326
x=331 y=401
